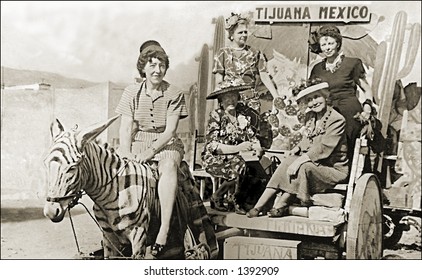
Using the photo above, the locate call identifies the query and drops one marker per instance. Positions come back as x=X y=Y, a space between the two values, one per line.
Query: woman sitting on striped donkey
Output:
x=154 y=108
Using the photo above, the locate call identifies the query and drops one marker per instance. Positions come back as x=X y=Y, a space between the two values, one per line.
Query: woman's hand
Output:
x=258 y=149
x=367 y=110
x=294 y=151
x=145 y=156
x=245 y=146
x=294 y=167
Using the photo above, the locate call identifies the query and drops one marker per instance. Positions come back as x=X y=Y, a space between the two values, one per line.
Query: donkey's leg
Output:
x=138 y=237
x=112 y=245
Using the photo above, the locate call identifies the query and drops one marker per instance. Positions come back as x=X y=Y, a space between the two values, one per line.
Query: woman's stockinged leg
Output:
x=265 y=197
x=167 y=186
x=283 y=200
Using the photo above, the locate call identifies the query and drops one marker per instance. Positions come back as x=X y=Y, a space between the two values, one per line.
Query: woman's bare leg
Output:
x=167 y=186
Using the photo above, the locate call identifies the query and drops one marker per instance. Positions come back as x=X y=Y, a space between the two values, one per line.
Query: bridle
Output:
x=75 y=201
x=75 y=197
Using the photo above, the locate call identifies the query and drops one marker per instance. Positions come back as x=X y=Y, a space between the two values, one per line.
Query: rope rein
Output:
x=75 y=202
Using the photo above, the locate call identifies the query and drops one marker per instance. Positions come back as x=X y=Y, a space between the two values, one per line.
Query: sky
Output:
x=99 y=41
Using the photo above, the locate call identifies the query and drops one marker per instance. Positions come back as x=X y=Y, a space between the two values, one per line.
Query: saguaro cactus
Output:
x=386 y=77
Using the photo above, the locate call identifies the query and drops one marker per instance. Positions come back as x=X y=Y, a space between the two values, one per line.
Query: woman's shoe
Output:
x=239 y=209
x=157 y=250
x=217 y=204
x=254 y=212
x=279 y=212
x=231 y=203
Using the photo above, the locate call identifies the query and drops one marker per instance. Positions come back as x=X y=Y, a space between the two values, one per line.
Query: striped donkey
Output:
x=124 y=192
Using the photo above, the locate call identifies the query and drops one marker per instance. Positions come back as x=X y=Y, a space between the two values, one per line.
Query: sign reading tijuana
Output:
x=310 y=13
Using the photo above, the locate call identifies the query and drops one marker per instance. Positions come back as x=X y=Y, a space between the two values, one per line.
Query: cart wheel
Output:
x=393 y=231
x=364 y=229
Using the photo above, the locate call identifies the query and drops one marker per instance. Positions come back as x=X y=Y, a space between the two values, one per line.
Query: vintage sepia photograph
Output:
x=241 y=131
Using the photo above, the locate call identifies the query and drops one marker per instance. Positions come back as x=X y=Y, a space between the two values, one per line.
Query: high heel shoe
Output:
x=254 y=212
x=217 y=204
x=279 y=212
x=239 y=209
x=157 y=250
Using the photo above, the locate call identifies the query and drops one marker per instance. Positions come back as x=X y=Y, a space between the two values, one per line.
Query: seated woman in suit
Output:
x=317 y=163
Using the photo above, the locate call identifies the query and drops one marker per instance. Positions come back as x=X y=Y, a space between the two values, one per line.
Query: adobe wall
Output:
x=25 y=132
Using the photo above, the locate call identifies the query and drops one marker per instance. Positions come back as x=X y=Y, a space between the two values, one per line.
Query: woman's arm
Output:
x=366 y=88
x=125 y=135
x=233 y=149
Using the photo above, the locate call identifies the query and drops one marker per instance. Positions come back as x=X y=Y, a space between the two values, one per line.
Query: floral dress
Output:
x=245 y=67
x=221 y=129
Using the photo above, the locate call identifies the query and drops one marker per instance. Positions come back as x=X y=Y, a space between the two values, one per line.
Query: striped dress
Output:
x=150 y=113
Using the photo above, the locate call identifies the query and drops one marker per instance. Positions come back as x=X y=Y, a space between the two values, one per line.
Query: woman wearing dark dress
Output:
x=344 y=75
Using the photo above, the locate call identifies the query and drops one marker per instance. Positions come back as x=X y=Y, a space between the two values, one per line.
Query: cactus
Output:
x=202 y=89
x=219 y=42
x=412 y=50
x=378 y=68
x=390 y=72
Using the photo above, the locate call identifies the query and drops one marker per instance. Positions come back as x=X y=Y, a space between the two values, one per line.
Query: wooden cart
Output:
x=366 y=220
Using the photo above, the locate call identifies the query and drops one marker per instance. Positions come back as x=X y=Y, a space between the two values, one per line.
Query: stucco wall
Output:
x=25 y=131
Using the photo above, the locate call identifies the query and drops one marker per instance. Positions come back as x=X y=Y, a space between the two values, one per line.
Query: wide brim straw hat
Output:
x=237 y=88
x=311 y=89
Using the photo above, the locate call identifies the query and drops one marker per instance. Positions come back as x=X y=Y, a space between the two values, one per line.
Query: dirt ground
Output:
x=27 y=235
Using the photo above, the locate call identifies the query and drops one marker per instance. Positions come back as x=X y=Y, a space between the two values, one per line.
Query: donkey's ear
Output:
x=90 y=133
x=56 y=128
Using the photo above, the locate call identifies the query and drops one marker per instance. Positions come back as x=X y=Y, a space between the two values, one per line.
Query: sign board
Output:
x=257 y=248
x=312 y=13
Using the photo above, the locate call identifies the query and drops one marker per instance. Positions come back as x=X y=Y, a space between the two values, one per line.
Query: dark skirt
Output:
x=311 y=178
x=349 y=106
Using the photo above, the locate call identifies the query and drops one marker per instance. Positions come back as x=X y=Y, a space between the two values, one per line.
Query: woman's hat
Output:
x=234 y=19
x=151 y=45
x=230 y=85
x=311 y=89
x=238 y=88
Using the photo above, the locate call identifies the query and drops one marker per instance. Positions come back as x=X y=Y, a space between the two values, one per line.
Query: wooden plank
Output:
x=256 y=248
x=309 y=249
x=288 y=224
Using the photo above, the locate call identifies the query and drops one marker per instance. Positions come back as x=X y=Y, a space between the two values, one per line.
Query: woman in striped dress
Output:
x=150 y=115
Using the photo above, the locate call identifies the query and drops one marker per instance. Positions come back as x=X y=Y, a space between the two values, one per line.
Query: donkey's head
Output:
x=64 y=163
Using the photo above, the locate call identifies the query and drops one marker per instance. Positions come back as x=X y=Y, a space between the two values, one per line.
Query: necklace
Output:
x=312 y=131
x=239 y=49
x=332 y=67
